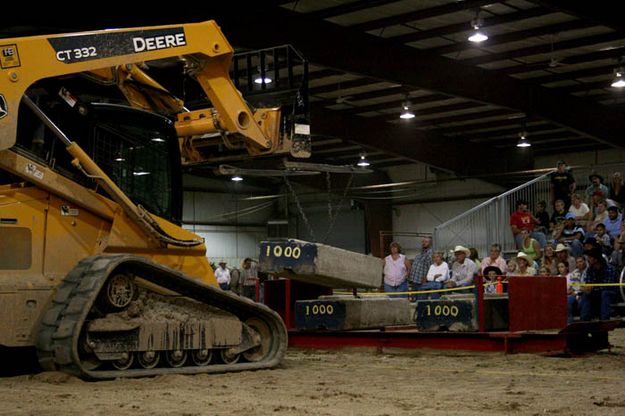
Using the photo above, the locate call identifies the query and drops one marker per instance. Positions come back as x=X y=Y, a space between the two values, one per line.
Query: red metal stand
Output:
x=537 y=322
x=281 y=295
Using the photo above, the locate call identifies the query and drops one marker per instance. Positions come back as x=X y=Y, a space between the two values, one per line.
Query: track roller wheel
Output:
x=201 y=357
x=125 y=362
x=258 y=353
x=118 y=292
x=148 y=359
x=227 y=357
x=176 y=358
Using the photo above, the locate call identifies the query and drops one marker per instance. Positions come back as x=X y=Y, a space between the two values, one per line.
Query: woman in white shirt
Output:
x=580 y=209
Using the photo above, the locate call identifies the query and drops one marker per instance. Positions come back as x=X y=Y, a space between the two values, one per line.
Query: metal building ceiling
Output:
x=546 y=68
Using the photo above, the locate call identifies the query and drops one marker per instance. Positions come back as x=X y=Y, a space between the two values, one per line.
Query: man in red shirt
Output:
x=521 y=220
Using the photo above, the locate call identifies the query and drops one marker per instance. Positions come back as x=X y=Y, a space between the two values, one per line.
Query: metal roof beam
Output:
x=514 y=36
x=461 y=27
x=600 y=14
x=348 y=8
x=546 y=48
x=421 y=14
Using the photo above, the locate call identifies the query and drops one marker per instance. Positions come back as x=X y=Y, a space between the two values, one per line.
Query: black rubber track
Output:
x=57 y=341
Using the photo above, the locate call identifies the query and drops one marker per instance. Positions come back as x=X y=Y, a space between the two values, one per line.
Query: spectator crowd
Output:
x=582 y=239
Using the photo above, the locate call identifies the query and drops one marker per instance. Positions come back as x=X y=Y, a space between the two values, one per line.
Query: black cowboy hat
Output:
x=595 y=175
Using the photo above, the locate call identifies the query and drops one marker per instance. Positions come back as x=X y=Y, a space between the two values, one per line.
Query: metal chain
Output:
x=299 y=208
x=329 y=188
x=338 y=208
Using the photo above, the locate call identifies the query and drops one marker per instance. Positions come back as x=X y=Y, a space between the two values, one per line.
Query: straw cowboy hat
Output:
x=561 y=247
x=522 y=255
x=463 y=249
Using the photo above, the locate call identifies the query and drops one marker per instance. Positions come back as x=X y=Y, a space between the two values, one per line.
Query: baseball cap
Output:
x=569 y=216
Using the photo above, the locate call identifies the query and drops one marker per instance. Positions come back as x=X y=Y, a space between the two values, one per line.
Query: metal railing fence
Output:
x=489 y=222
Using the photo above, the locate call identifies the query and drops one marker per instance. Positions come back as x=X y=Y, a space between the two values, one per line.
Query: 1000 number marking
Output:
x=278 y=251
x=319 y=310
x=443 y=310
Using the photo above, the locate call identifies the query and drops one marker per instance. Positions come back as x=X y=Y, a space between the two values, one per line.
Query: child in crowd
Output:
x=490 y=278
x=603 y=238
x=512 y=267
x=563 y=270
x=544 y=271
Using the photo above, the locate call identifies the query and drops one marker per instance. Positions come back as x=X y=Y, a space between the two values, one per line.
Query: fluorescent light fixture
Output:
x=119 y=158
x=141 y=173
x=158 y=140
x=619 y=78
x=236 y=178
x=478 y=35
x=406 y=112
x=363 y=162
x=523 y=141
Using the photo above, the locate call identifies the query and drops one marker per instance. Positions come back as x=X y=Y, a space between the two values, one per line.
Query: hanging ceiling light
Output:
x=477 y=35
x=523 y=141
x=236 y=178
x=619 y=78
x=406 y=112
x=260 y=80
x=363 y=162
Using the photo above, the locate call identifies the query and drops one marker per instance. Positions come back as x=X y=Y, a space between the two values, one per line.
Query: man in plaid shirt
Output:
x=593 y=297
x=421 y=263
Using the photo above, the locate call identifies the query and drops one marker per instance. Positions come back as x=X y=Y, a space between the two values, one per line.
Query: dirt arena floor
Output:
x=348 y=382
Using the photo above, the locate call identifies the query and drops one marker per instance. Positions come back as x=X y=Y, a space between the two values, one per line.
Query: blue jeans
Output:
x=571 y=305
x=403 y=287
x=224 y=286
x=538 y=236
x=597 y=298
x=429 y=286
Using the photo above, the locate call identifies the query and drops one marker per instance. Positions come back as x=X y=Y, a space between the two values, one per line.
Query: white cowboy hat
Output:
x=522 y=255
x=561 y=247
x=462 y=248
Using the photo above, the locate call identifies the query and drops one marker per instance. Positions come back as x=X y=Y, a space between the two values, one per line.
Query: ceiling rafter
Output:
x=343 y=85
x=546 y=48
x=567 y=60
x=573 y=75
x=461 y=27
x=585 y=86
x=382 y=92
x=496 y=125
x=510 y=132
x=420 y=14
x=397 y=104
x=513 y=36
x=347 y=8
x=606 y=16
